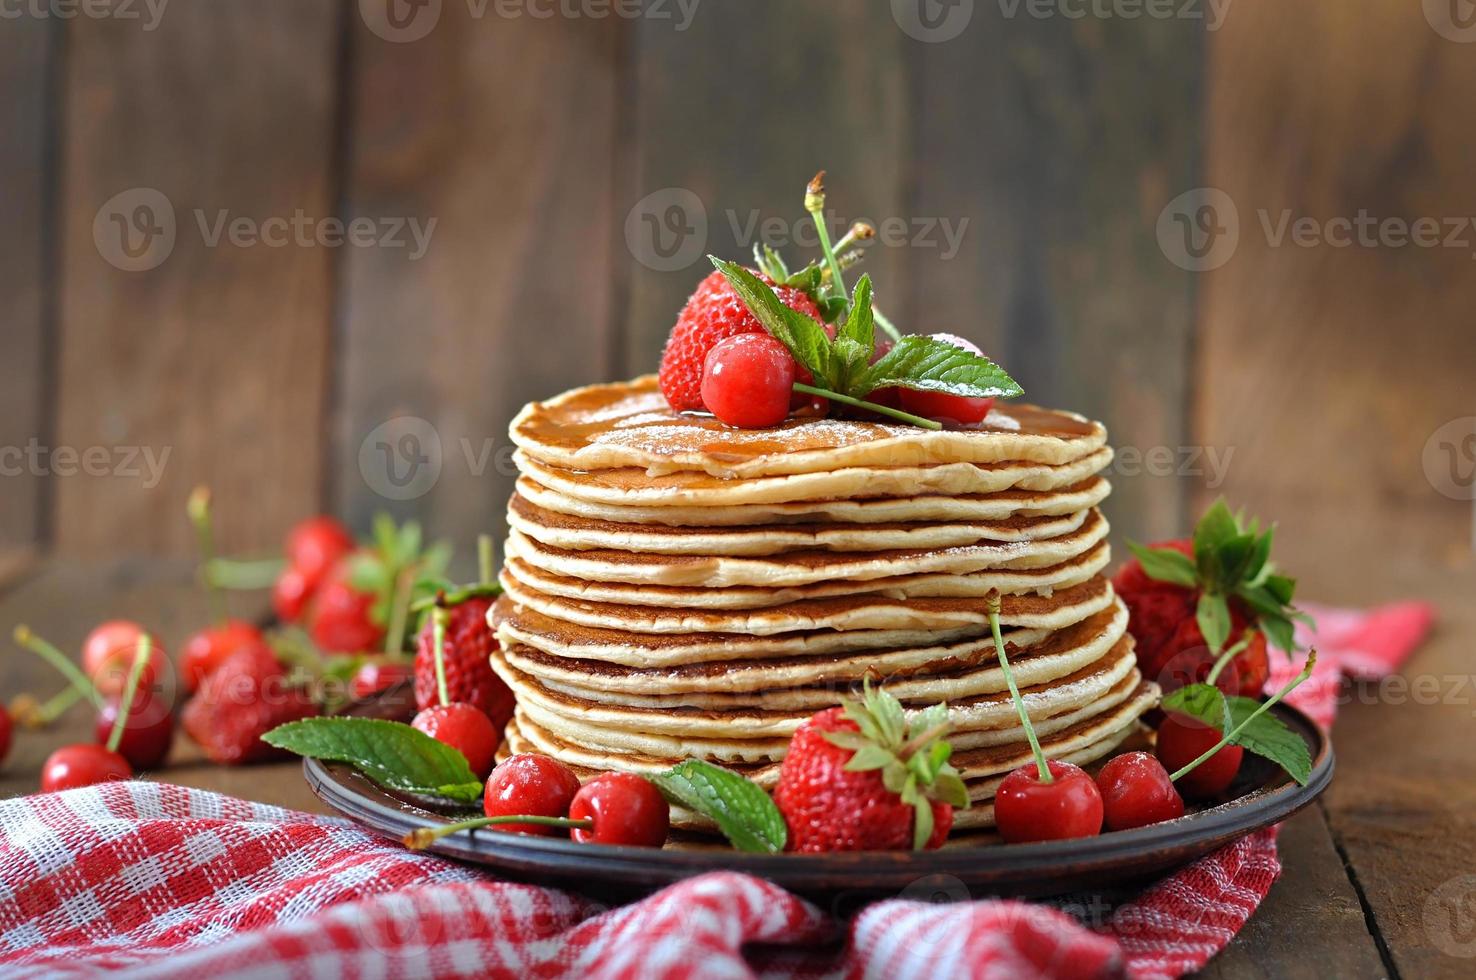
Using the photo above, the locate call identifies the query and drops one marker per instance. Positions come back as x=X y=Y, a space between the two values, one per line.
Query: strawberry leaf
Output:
x=927 y=364
x=1213 y=615
x=1166 y=565
x=388 y=752
x=740 y=808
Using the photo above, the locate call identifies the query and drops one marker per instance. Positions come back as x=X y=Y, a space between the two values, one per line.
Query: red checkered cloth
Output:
x=159 y=880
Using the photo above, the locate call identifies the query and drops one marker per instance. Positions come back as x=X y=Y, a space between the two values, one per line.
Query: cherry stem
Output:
x=419 y=840
x=1265 y=707
x=1042 y=769
x=60 y=661
x=198 y=508
x=1226 y=657
x=860 y=231
x=394 y=637
x=54 y=706
x=486 y=559
x=238 y=574
x=887 y=327
x=895 y=413
x=130 y=690
x=815 y=205
x=438 y=646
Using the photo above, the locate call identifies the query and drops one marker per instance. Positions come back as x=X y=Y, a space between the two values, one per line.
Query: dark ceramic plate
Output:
x=1261 y=796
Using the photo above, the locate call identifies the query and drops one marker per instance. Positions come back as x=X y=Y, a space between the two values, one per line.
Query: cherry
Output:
x=1136 y=791
x=466 y=729
x=148 y=732
x=5 y=727
x=1026 y=808
x=377 y=677
x=945 y=407
x=1181 y=740
x=625 y=809
x=530 y=785
x=290 y=594
x=108 y=651
x=209 y=648
x=74 y=766
x=747 y=381
x=315 y=546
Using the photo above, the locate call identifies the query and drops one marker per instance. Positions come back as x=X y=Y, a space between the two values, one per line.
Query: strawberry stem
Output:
x=1265 y=707
x=419 y=840
x=895 y=413
x=130 y=690
x=1042 y=769
x=198 y=508
x=59 y=660
x=815 y=205
x=485 y=559
x=394 y=636
x=438 y=646
x=235 y=573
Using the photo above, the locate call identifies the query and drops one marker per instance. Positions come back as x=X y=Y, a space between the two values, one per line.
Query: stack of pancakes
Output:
x=676 y=588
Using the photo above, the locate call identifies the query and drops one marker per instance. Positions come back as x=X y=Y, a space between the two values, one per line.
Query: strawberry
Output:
x=341 y=618
x=468 y=665
x=713 y=313
x=861 y=777
x=244 y=698
x=1195 y=602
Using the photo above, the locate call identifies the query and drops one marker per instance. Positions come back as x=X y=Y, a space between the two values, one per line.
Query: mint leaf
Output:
x=1213 y=615
x=388 y=752
x=926 y=364
x=806 y=339
x=1268 y=737
x=1166 y=565
x=1204 y=702
x=743 y=812
x=860 y=326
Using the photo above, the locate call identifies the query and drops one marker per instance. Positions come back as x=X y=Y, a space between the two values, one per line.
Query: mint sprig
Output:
x=741 y=809
x=389 y=752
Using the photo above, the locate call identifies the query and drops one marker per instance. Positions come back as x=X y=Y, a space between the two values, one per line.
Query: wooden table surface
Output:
x=1379 y=879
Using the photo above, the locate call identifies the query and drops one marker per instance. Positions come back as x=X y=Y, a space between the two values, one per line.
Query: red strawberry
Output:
x=831 y=805
x=468 y=653
x=244 y=698
x=714 y=312
x=341 y=618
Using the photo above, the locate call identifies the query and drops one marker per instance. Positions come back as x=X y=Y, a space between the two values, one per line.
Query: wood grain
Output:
x=1058 y=141
x=740 y=110
x=1328 y=368
x=217 y=356
x=502 y=131
x=27 y=51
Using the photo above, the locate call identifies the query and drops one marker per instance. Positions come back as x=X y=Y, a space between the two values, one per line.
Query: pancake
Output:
x=964 y=507
x=629 y=424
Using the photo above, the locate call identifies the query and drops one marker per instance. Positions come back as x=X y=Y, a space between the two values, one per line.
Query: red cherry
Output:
x=465 y=729
x=5 y=727
x=944 y=407
x=529 y=785
x=74 y=766
x=1136 y=791
x=376 y=677
x=210 y=647
x=1181 y=740
x=1026 y=809
x=625 y=808
x=148 y=732
x=290 y=595
x=747 y=381
x=315 y=545
x=107 y=656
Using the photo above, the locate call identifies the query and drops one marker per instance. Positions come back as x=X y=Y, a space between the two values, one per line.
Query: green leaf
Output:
x=868 y=757
x=860 y=325
x=1268 y=737
x=926 y=364
x=1280 y=632
x=1234 y=556
x=769 y=262
x=1216 y=527
x=740 y=808
x=922 y=822
x=806 y=339
x=388 y=752
x=1281 y=587
x=1166 y=565
x=1213 y=614
x=1204 y=702
x=951 y=789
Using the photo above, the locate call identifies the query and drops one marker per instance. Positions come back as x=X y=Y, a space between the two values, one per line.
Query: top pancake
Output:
x=629 y=424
